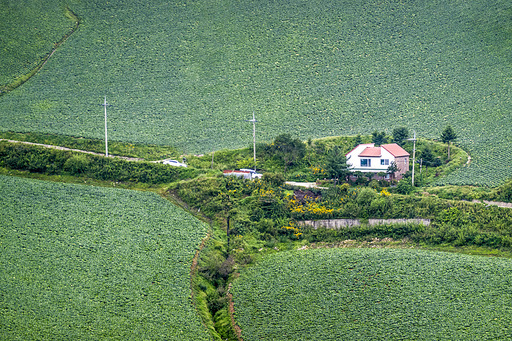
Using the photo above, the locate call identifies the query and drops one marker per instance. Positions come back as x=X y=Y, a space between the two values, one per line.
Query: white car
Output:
x=254 y=174
x=174 y=163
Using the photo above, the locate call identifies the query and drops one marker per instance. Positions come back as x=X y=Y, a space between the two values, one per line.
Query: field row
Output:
x=80 y=262
x=374 y=294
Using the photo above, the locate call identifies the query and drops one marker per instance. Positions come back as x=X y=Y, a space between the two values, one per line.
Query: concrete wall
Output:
x=337 y=224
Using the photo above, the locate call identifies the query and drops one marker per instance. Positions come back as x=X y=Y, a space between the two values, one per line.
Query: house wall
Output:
x=403 y=166
x=353 y=161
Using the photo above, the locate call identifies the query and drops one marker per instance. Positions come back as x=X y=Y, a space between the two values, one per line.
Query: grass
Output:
x=374 y=294
x=189 y=74
x=84 y=262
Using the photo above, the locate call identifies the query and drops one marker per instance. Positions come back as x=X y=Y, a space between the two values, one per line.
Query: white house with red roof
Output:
x=368 y=158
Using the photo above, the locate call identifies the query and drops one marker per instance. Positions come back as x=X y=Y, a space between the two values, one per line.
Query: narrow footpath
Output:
x=74 y=150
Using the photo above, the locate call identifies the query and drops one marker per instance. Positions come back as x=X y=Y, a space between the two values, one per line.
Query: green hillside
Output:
x=374 y=294
x=189 y=73
x=88 y=263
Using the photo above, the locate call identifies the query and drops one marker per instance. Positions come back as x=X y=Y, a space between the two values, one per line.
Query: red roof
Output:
x=395 y=150
x=366 y=144
x=370 y=152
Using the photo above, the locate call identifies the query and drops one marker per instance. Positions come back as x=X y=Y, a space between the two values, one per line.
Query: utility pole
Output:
x=105 y=104
x=413 y=156
x=254 y=137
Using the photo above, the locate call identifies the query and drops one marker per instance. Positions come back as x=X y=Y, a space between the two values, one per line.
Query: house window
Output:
x=384 y=162
x=366 y=162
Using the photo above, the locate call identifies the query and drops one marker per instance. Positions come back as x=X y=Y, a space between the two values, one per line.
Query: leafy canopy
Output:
x=379 y=138
x=400 y=134
x=336 y=164
x=287 y=149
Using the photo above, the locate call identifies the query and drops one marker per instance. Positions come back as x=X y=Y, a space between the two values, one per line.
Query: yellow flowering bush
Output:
x=385 y=193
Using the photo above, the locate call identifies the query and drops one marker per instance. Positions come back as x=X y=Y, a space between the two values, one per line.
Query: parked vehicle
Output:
x=254 y=174
x=249 y=174
x=174 y=163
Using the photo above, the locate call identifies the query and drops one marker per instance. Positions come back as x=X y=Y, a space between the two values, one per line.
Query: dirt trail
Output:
x=73 y=150
x=231 y=309
x=494 y=203
x=304 y=184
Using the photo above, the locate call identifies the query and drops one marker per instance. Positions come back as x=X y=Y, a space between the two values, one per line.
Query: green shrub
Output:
x=404 y=187
x=274 y=179
x=51 y=161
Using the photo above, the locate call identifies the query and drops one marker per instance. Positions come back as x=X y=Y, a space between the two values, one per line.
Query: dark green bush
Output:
x=56 y=162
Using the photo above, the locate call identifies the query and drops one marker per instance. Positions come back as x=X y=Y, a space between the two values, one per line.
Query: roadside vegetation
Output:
x=143 y=151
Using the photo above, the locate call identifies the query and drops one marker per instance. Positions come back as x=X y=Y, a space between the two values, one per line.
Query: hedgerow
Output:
x=56 y=162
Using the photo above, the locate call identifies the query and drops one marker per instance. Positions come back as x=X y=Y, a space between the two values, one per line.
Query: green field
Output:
x=375 y=294
x=188 y=73
x=28 y=31
x=89 y=263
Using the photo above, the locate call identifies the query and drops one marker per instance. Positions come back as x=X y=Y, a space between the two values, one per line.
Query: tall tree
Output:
x=429 y=159
x=400 y=134
x=358 y=140
x=287 y=149
x=379 y=138
x=447 y=136
x=427 y=156
x=336 y=164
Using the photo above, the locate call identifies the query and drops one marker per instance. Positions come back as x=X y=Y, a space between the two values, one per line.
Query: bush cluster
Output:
x=56 y=162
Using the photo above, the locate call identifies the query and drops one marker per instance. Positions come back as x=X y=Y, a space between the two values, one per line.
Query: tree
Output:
x=447 y=136
x=379 y=138
x=429 y=159
x=392 y=169
x=336 y=164
x=403 y=187
x=400 y=135
x=287 y=149
x=427 y=156
x=358 y=140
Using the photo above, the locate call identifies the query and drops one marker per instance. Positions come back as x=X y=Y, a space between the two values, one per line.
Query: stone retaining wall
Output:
x=337 y=224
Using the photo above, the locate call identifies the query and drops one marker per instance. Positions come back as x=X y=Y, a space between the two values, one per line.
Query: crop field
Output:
x=189 y=73
x=375 y=294
x=28 y=31
x=88 y=263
